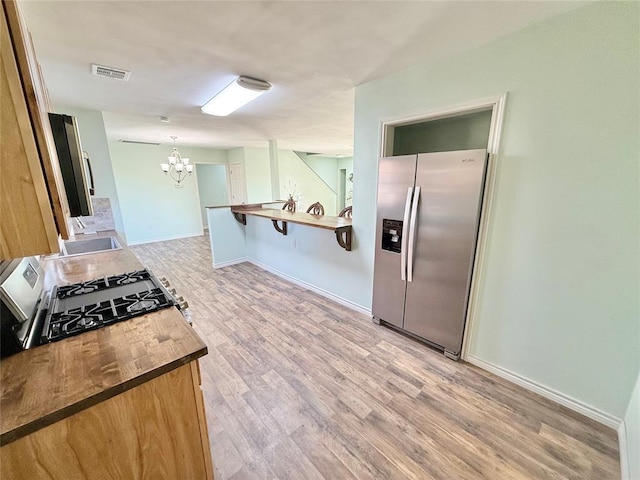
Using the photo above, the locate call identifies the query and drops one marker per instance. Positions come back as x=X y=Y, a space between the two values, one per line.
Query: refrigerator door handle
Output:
x=405 y=235
x=412 y=233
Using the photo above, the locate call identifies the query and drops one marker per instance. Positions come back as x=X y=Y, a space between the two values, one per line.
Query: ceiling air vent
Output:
x=122 y=140
x=109 y=72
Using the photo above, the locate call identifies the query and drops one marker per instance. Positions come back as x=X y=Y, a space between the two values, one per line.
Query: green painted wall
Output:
x=559 y=300
x=326 y=168
x=295 y=172
x=632 y=424
x=291 y=169
x=258 y=171
x=212 y=187
x=152 y=208
x=93 y=138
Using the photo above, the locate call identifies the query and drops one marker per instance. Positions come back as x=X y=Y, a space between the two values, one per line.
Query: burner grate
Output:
x=97 y=303
x=67 y=291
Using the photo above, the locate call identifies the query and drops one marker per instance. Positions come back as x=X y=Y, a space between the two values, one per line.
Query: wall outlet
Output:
x=293 y=243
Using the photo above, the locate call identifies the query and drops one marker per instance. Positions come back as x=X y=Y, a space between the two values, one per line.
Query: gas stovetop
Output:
x=84 y=306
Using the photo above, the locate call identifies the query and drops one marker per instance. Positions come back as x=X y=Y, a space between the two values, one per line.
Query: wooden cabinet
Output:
x=33 y=205
x=156 y=430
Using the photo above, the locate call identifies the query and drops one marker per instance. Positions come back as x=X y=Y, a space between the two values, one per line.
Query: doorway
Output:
x=238 y=184
x=474 y=125
x=342 y=188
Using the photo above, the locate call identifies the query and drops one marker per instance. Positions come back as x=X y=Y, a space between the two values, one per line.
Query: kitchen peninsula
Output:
x=340 y=226
x=228 y=243
x=316 y=253
x=122 y=401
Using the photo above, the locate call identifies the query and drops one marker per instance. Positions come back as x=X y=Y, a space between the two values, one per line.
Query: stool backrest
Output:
x=289 y=205
x=316 y=209
x=346 y=212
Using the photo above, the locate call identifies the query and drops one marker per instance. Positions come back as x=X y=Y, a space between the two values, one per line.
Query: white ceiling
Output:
x=313 y=53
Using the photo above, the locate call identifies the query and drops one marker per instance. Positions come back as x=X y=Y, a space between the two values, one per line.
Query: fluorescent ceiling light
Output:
x=238 y=93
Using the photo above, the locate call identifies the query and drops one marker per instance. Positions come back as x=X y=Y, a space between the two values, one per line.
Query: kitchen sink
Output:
x=93 y=245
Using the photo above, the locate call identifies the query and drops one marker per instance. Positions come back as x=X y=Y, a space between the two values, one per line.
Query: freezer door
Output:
x=396 y=177
x=445 y=240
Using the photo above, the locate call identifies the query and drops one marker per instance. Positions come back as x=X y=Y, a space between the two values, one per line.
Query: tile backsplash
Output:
x=101 y=220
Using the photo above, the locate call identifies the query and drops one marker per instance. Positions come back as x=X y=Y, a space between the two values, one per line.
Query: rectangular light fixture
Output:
x=238 y=93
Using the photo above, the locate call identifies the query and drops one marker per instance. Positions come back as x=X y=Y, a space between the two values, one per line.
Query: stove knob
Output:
x=164 y=281
x=180 y=299
x=184 y=305
x=172 y=291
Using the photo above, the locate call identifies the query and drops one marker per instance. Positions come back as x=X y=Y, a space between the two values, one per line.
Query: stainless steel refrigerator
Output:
x=427 y=223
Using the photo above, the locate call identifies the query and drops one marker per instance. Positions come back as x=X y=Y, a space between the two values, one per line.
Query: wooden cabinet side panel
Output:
x=149 y=432
x=39 y=106
x=26 y=222
x=202 y=418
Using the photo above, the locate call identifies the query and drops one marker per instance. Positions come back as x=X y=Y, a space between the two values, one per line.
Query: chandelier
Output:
x=177 y=168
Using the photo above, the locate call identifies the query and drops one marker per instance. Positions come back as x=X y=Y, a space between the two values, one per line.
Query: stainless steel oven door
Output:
x=21 y=282
x=21 y=287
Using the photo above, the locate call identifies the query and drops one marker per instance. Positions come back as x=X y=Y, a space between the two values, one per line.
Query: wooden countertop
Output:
x=319 y=221
x=48 y=383
x=249 y=206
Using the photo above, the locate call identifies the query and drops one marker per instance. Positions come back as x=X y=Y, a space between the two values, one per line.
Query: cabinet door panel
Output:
x=27 y=225
x=149 y=432
x=38 y=108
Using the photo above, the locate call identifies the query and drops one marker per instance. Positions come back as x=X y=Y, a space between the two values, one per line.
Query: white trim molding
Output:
x=624 y=452
x=235 y=261
x=493 y=148
x=313 y=288
x=549 y=393
x=495 y=103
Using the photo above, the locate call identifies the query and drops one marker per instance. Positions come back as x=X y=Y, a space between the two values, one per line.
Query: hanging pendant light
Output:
x=177 y=168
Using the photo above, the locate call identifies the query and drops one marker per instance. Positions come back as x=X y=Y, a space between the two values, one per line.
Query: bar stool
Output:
x=346 y=212
x=289 y=205
x=316 y=209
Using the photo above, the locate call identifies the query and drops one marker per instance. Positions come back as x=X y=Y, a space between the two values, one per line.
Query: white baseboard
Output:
x=164 y=239
x=624 y=452
x=313 y=288
x=551 y=394
x=230 y=262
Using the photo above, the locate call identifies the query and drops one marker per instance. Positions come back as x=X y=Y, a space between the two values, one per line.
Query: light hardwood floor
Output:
x=298 y=387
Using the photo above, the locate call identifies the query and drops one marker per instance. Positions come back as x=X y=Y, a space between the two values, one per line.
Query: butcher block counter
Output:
x=123 y=401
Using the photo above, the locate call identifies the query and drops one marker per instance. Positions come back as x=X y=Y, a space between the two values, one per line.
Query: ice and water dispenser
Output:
x=391 y=235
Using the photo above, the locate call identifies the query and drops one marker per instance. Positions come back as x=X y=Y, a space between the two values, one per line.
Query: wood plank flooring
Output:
x=298 y=387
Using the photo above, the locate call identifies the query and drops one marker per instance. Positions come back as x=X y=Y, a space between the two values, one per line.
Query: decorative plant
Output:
x=291 y=192
x=348 y=200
